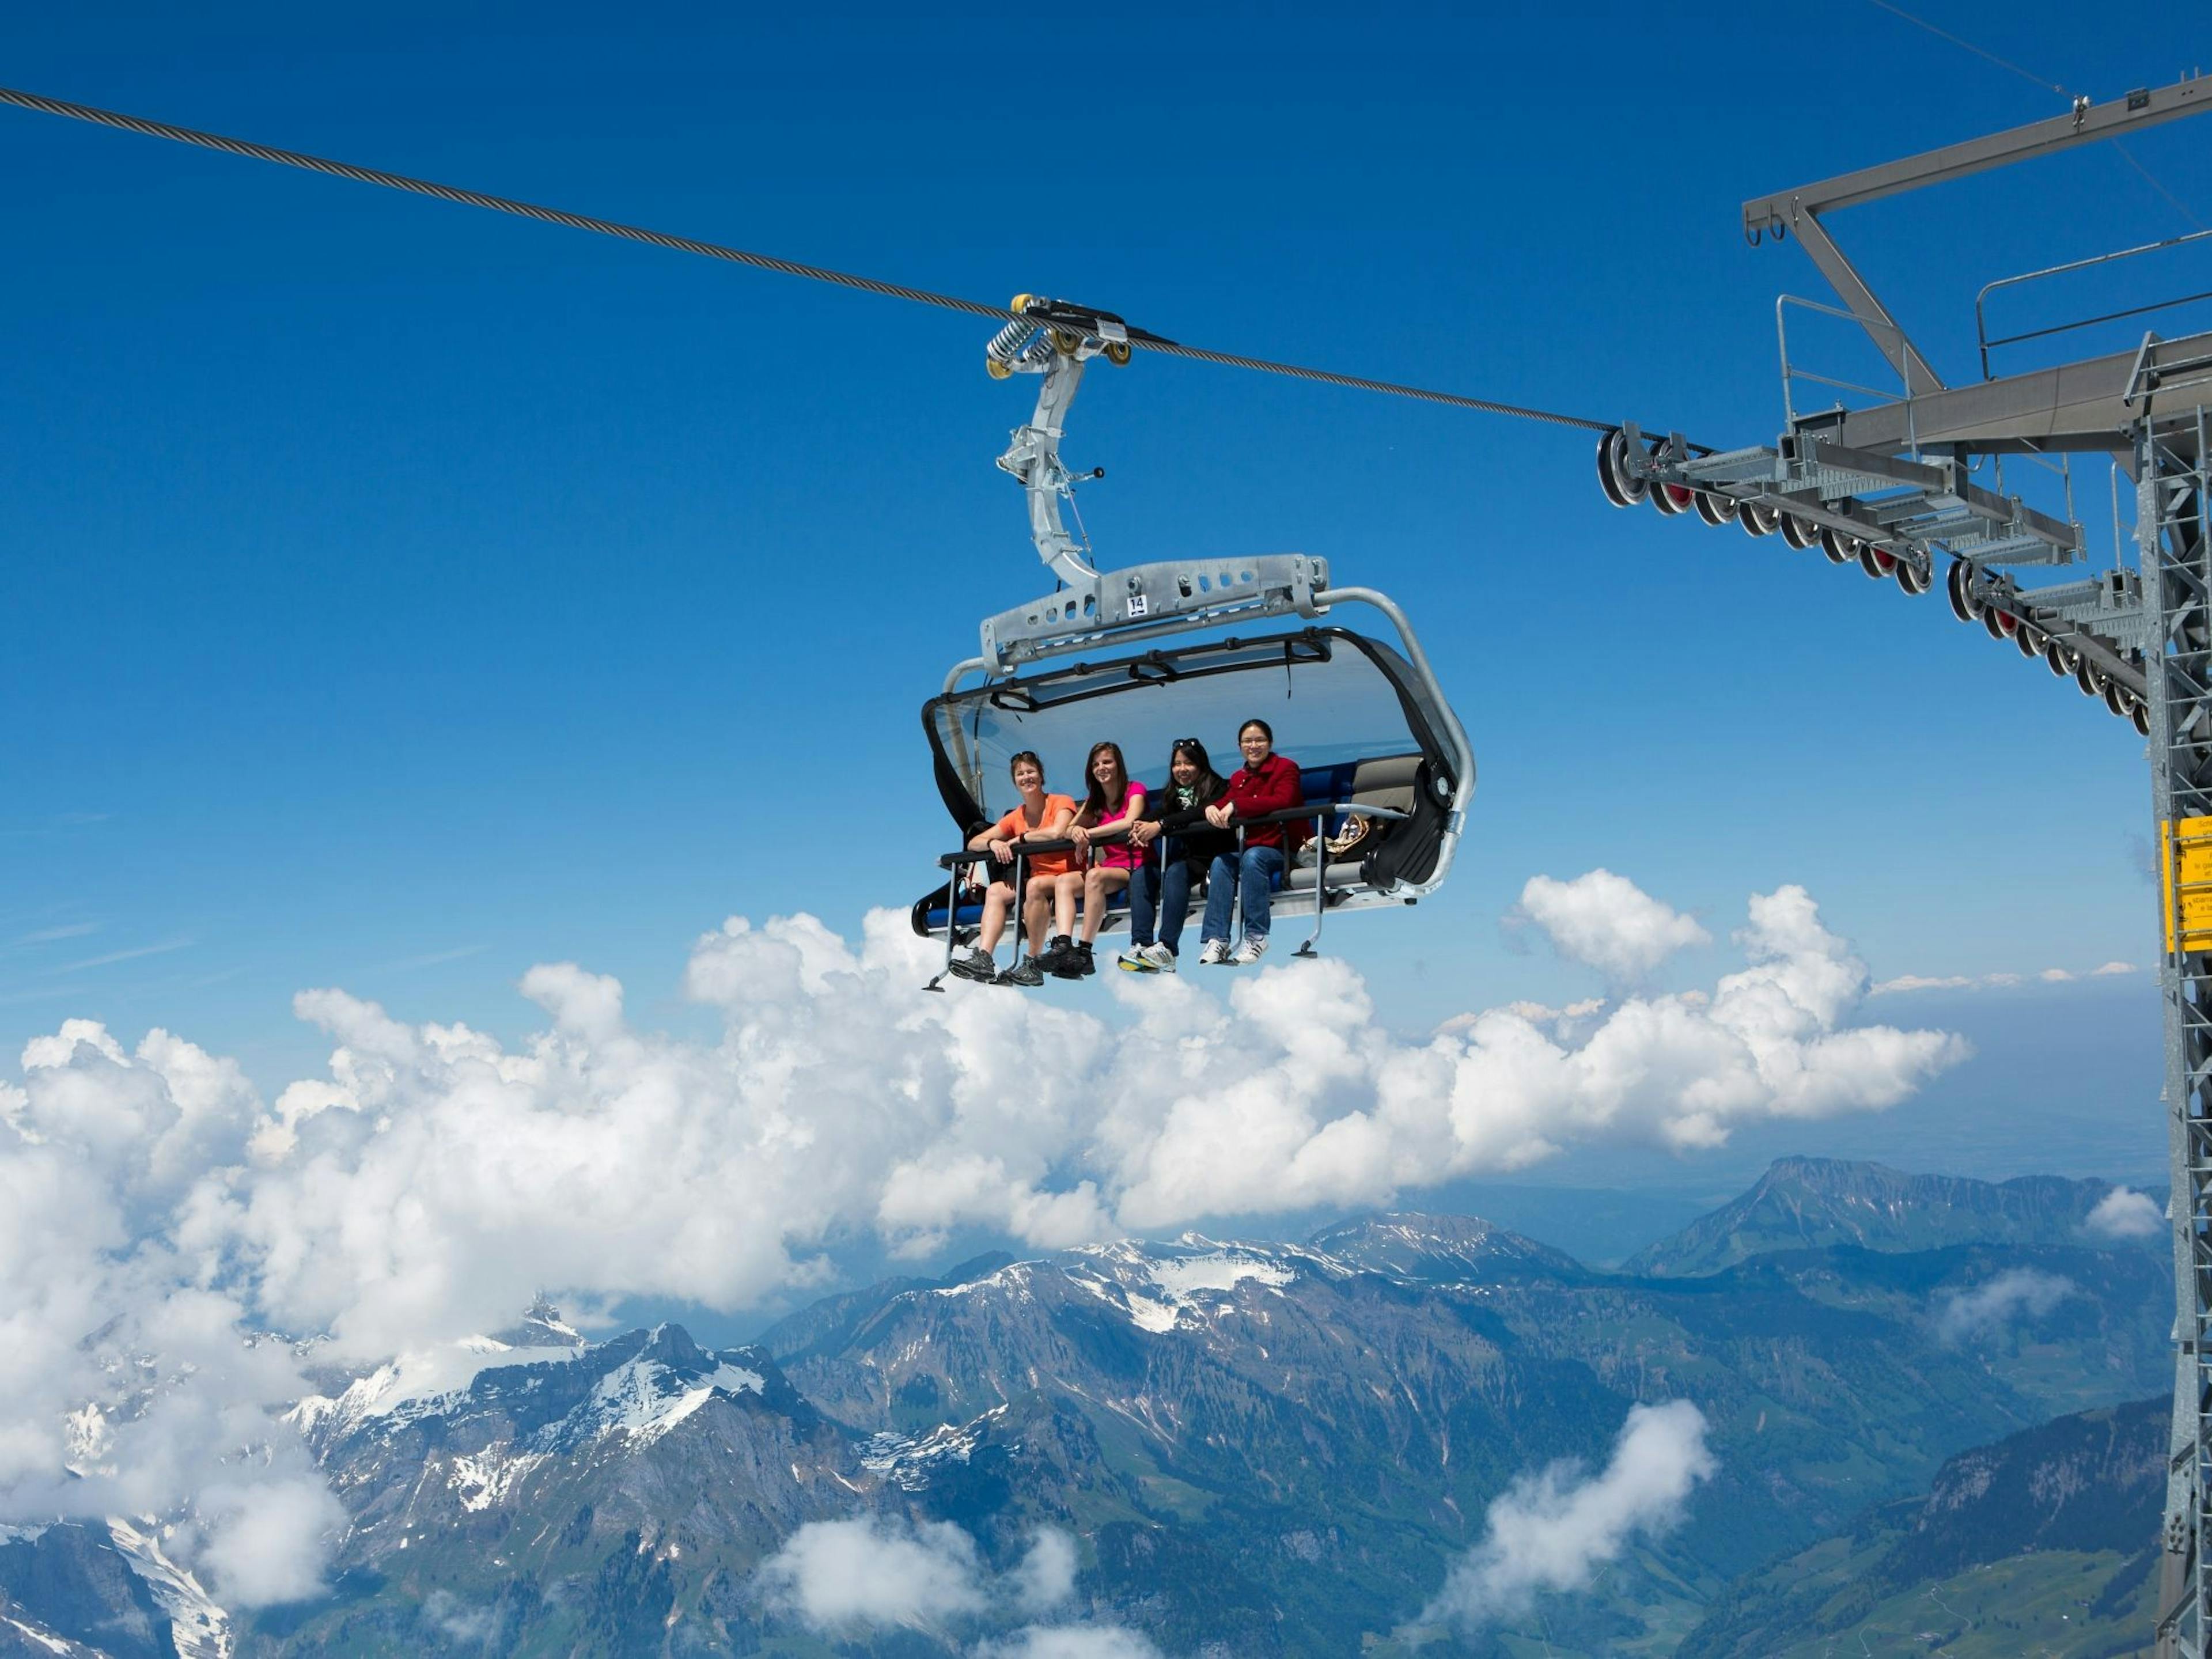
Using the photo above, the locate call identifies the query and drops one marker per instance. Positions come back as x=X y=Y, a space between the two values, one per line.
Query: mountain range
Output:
x=1259 y=1448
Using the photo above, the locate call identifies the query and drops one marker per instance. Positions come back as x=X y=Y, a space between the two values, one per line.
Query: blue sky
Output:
x=401 y=595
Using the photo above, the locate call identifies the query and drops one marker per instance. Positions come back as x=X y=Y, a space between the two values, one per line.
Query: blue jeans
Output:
x=1164 y=885
x=1254 y=875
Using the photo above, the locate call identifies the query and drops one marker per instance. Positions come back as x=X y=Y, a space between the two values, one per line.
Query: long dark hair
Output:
x=1208 y=784
x=1095 y=803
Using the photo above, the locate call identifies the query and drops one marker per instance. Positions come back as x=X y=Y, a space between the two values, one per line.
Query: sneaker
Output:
x=974 y=964
x=1138 y=959
x=1161 y=957
x=1249 y=952
x=1026 y=972
x=1057 y=950
x=1215 y=955
x=1086 y=961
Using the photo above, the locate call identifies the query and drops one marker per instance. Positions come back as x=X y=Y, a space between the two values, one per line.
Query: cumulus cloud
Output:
x=435 y=1179
x=842 y=1576
x=1046 y=1577
x=127 y=1386
x=2124 y=1213
x=1552 y=1530
x=1607 y=922
x=1071 y=1642
x=2016 y=1292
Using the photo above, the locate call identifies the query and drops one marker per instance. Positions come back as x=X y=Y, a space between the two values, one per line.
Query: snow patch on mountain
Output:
x=1221 y=1271
x=486 y=1478
x=52 y=1644
x=200 y=1628
x=1156 y=1285
x=908 y=1461
x=635 y=1399
x=1014 y=1277
x=1151 y=1316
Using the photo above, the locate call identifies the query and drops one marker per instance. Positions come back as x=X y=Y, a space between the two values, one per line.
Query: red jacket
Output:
x=1275 y=786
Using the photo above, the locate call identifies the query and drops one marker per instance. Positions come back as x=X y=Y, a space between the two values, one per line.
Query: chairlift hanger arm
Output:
x=1799 y=210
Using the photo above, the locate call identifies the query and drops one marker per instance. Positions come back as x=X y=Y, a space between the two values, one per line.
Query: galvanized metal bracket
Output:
x=1143 y=600
x=1053 y=339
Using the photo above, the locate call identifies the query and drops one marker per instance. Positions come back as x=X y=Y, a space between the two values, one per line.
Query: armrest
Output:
x=1023 y=848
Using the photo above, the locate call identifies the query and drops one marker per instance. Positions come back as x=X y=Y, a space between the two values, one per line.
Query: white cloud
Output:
x=844 y=1577
x=1071 y=1642
x=436 y=1179
x=1610 y=923
x=841 y=1576
x=267 y=1541
x=1996 y=982
x=2016 y=1292
x=125 y=1387
x=605 y=1162
x=1551 y=1531
x=2124 y=1213
x=1046 y=1577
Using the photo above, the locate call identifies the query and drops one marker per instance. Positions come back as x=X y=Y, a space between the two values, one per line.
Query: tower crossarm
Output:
x=1798 y=212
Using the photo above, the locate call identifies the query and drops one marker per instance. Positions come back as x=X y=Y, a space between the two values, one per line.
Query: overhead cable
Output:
x=292 y=158
x=2032 y=77
x=1968 y=46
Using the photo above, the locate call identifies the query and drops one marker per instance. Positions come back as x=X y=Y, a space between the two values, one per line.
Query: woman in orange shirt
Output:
x=1040 y=818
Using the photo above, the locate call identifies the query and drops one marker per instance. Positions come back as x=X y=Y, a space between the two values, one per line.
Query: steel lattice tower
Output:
x=1888 y=486
x=2177 y=568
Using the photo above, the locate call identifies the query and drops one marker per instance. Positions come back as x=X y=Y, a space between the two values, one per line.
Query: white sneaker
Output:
x=1162 y=959
x=1215 y=955
x=1248 y=952
x=1137 y=959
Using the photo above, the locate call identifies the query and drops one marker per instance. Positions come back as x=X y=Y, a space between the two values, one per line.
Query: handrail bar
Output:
x=1322 y=808
x=1782 y=304
x=1981 y=331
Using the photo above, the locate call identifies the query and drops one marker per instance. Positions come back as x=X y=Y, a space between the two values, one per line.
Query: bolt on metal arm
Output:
x=1055 y=340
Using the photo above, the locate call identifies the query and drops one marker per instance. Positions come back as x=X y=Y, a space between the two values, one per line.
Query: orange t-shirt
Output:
x=1016 y=824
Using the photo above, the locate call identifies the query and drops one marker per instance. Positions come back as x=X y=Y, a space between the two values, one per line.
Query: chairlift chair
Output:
x=1364 y=717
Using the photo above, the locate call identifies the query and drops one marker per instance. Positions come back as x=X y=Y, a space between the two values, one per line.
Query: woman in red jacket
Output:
x=1266 y=783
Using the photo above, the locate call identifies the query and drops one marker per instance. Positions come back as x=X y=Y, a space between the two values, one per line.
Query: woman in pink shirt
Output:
x=1101 y=829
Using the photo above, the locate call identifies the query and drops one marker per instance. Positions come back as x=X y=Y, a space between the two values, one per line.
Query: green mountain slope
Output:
x=1802 y=1203
x=2046 y=1543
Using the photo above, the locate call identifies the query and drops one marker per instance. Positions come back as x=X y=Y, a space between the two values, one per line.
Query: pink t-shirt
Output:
x=1120 y=855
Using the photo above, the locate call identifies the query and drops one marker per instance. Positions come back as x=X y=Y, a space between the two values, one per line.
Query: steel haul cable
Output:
x=292 y=158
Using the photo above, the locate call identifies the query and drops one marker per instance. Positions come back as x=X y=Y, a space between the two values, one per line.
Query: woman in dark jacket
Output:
x=1174 y=821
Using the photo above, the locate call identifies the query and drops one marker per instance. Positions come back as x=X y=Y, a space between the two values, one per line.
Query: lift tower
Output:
x=1886 y=485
